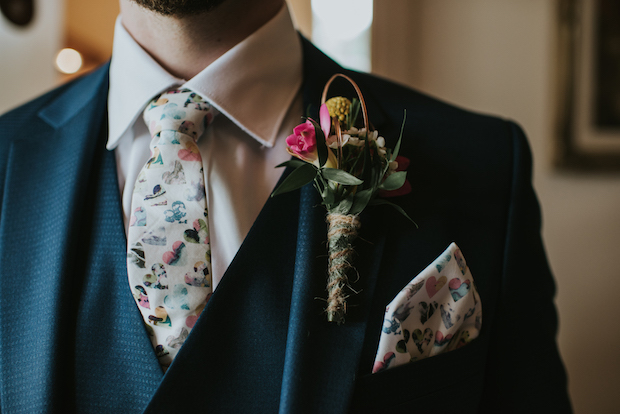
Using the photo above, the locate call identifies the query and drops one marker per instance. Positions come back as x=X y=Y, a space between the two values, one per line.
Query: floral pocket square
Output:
x=438 y=311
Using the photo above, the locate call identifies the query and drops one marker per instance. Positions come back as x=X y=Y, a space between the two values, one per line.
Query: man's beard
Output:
x=179 y=8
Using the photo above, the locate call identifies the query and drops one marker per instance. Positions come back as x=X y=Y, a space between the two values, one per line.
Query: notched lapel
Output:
x=85 y=93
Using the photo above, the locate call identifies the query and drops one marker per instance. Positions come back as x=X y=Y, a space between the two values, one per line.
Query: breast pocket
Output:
x=449 y=382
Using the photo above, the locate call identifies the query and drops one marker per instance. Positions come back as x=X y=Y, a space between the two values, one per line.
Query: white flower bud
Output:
x=393 y=165
x=332 y=141
x=381 y=151
x=380 y=142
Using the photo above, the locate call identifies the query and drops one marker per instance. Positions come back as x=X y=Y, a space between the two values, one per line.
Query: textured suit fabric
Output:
x=262 y=343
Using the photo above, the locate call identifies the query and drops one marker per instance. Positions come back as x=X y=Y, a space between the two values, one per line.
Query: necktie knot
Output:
x=179 y=110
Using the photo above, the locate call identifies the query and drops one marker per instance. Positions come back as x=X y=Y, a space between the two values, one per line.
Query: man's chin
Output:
x=179 y=8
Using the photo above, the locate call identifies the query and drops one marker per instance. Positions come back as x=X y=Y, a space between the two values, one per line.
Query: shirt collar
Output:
x=255 y=99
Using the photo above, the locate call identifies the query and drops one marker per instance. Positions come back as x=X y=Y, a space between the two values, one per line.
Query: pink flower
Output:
x=326 y=121
x=302 y=142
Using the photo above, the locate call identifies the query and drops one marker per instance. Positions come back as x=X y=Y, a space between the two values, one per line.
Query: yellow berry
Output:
x=338 y=107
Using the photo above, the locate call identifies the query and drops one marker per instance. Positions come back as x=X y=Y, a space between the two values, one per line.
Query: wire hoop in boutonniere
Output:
x=350 y=168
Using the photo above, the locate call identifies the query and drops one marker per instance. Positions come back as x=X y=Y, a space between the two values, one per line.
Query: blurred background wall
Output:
x=26 y=66
x=492 y=56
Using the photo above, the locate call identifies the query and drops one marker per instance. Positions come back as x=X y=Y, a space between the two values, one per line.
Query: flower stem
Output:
x=342 y=232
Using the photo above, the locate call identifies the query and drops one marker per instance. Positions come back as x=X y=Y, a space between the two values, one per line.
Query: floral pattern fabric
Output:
x=438 y=311
x=169 y=258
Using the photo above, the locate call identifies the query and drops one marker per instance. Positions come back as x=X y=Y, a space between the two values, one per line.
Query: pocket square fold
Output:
x=438 y=311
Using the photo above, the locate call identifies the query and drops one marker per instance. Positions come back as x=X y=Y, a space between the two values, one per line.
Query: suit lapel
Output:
x=54 y=344
x=322 y=358
x=263 y=337
x=233 y=358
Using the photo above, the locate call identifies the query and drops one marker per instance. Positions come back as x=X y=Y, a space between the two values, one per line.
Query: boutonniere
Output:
x=351 y=168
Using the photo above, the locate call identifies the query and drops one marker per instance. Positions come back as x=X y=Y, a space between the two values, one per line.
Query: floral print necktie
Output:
x=169 y=259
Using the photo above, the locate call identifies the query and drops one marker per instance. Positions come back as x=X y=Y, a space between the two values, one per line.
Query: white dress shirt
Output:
x=256 y=88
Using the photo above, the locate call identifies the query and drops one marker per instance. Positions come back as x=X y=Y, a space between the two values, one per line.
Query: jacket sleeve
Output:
x=524 y=372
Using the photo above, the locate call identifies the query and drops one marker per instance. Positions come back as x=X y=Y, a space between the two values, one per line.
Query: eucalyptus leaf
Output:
x=381 y=201
x=297 y=179
x=340 y=176
x=295 y=163
x=397 y=147
x=354 y=111
x=328 y=197
x=321 y=145
x=344 y=206
x=394 y=181
x=361 y=201
x=367 y=170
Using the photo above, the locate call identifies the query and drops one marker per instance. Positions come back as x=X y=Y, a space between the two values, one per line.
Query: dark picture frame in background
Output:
x=588 y=124
x=18 y=12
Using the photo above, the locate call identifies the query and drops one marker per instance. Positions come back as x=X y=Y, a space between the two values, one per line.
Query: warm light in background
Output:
x=69 y=61
x=344 y=19
x=341 y=28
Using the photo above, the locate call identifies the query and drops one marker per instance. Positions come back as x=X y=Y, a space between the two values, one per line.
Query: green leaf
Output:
x=367 y=170
x=295 y=163
x=380 y=201
x=321 y=145
x=397 y=147
x=340 y=176
x=344 y=206
x=361 y=201
x=394 y=181
x=354 y=111
x=328 y=197
x=297 y=179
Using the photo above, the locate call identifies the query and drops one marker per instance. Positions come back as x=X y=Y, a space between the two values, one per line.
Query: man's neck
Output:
x=184 y=46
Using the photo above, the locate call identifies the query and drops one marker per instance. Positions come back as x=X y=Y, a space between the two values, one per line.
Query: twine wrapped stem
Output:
x=342 y=230
x=341 y=233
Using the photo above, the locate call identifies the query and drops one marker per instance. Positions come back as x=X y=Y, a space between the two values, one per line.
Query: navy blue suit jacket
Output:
x=72 y=338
